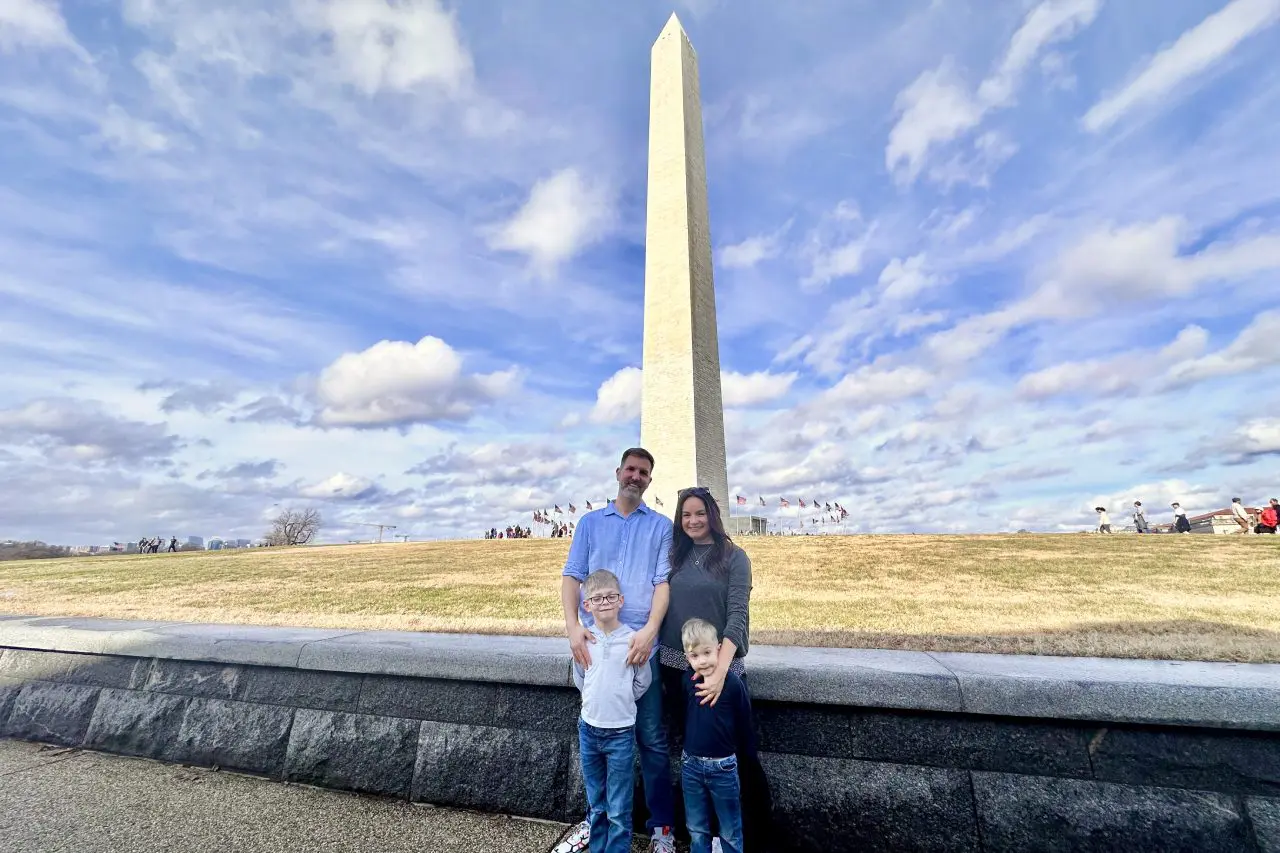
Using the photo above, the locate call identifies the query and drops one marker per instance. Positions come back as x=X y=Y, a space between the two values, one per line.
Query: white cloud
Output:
x=901 y=280
x=1255 y=348
x=836 y=246
x=751 y=389
x=34 y=23
x=907 y=323
x=972 y=336
x=1049 y=23
x=991 y=150
x=341 y=486
x=872 y=384
x=563 y=215
x=82 y=432
x=394 y=47
x=618 y=398
x=1195 y=51
x=1129 y=371
x=1261 y=435
x=753 y=250
x=1143 y=261
x=120 y=130
x=938 y=108
x=836 y=263
x=395 y=383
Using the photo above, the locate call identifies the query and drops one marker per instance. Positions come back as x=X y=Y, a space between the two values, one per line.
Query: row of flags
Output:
x=833 y=509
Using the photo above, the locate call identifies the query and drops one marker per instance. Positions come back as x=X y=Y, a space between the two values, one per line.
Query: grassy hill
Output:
x=1181 y=597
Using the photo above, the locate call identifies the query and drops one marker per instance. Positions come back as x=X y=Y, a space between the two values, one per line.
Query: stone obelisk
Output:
x=681 y=416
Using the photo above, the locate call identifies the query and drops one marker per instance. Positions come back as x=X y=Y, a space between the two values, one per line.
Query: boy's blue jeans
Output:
x=608 y=772
x=711 y=784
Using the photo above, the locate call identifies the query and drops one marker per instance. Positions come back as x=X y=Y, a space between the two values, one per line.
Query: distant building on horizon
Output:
x=197 y=541
x=215 y=544
x=243 y=543
x=1219 y=521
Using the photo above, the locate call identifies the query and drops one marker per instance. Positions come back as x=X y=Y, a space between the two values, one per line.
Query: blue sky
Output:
x=979 y=266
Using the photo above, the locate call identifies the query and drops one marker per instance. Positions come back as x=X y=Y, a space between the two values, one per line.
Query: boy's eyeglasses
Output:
x=610 y=598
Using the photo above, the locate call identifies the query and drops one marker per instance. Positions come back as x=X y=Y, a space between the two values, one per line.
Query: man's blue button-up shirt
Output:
x=633 y=547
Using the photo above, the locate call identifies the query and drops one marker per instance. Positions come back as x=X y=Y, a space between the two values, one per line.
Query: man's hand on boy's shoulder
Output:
x=579 y=637
x=641 y=645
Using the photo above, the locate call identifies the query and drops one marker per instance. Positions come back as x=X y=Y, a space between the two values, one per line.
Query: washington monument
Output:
x=681 y=415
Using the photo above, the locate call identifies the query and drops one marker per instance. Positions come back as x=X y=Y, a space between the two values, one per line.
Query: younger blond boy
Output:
x=716 y=735
x=606 y=727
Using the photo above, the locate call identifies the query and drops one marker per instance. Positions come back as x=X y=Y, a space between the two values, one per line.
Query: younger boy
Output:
x=715 y=735
x=606 y=727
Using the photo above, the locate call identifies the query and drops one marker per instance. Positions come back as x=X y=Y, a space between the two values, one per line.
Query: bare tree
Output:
x=294 y=527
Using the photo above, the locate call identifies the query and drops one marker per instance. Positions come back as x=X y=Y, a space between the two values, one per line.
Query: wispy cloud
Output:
x=1196 y=51
x=938 y=107
x=564 y=214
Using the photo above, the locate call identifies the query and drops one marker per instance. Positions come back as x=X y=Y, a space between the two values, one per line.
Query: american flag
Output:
x=588 y=506
x=572 y=508
x=658 y=501
x=559 y=511
x=783 y=502
x=802 y=503
x=742 y=501
x=762 y=500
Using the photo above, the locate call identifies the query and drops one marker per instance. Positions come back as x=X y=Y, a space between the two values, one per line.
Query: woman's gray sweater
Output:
x=696 y=592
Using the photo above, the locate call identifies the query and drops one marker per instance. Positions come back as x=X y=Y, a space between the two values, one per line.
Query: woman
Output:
x=711 y=579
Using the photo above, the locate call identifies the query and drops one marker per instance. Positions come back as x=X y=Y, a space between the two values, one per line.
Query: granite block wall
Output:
x=843 y=777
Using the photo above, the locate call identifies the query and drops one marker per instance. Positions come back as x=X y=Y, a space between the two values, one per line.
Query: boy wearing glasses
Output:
x=610 y=687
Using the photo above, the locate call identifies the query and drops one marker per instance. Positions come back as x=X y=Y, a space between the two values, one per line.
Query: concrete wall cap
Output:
x=1226 y=695
x=1202 y=693
x=865 y=677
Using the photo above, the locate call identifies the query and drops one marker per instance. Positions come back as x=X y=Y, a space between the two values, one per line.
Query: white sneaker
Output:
x=663 y=841
x=577 y=841
x=715 y=845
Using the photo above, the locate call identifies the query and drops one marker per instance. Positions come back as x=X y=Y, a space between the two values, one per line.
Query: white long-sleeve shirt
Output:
x=611 y=686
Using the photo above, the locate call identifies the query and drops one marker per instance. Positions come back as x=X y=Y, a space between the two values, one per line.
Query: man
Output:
x=632 y=541
x=1241 y=516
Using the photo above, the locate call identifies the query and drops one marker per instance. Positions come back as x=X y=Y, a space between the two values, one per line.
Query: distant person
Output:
x=1268 y=519
x=1241 y=516
x=1104 y=521
x=173 y=544
x=610 y=685
x=1180 y=522
x=1139 y=517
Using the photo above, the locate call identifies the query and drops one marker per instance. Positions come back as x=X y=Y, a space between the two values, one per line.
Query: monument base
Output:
x=746 y=525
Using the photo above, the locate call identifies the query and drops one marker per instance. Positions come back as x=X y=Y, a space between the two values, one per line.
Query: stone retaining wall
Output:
x=865 y=750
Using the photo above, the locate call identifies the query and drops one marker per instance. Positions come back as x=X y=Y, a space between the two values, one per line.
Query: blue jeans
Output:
x=711 y=784
x=608 y=771
x=655 y=762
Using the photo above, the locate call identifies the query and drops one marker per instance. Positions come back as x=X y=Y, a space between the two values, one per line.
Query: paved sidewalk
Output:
x=54 y=800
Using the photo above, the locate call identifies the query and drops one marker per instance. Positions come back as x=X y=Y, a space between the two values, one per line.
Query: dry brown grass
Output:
x=1179 y=597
